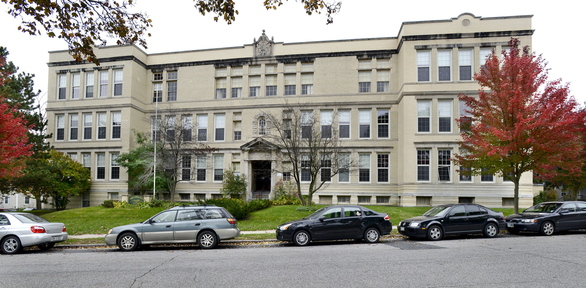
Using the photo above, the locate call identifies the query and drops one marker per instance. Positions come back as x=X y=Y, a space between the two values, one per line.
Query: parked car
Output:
x=336 y=223
x=205 y=225
x=18 y=230
x=453 y=219
x=549 y=217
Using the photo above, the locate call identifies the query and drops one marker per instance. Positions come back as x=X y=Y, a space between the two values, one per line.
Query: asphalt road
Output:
x=506 y=261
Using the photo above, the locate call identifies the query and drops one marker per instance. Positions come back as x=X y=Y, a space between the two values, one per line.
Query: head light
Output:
x=284 y=227
x=529 y=221
x=414 y=224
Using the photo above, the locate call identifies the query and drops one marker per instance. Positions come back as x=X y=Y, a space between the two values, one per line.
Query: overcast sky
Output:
x=178 y=26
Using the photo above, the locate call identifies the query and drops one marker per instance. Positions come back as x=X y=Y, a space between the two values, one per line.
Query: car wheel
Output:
x=491 y=230
x=128 y=242
x=301 y=238
x=11 y=245
x=435 y=233
x=547 y=228
x=207 y=240
x=371 y=235
x=45 y=246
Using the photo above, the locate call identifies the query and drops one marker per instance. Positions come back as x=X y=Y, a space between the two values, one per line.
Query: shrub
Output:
x=546 y=195
x=285 y=194
x=121 y=204
x=233 y=184
x=240 y=209
x=109 y=203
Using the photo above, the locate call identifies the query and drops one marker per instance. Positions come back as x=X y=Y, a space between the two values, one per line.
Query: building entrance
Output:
x=261 y=179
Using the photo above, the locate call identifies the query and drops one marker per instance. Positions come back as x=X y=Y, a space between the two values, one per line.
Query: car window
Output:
x=188 y=215
x=368 y=212
x=29 y=218
x=570 y=207
x=458 y=211
x=581 y=206
x=4 y=220
x=166 y=216
x=544 y=208
x=439 y=211
x=214 y=213
x=473 y=210
x=352 y=212
x=333 y=213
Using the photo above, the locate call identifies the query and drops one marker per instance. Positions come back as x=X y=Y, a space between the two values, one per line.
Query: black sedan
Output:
x=336 y=223
x=453 y=219
x=549 y=217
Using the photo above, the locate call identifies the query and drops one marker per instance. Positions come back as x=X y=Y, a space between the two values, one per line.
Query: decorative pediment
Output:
x=259 y=144
x=263 y=47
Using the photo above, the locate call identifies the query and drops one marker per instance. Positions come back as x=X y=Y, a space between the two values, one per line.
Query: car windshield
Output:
x=316 y=214
x=544 y=208
x=437 y=211
x=29 y=218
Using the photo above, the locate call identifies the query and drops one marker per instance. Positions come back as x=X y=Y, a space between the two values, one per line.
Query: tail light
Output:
x=387 y=217
x=231 y=221
x=38 y=229
x=64 y=229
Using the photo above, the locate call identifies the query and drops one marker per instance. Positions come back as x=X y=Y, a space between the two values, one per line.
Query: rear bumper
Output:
x=41 y=238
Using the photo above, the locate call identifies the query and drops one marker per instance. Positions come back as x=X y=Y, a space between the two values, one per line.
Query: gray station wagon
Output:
x=205 y=225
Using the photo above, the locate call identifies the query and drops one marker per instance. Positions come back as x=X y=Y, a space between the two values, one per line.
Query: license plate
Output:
x=401 y=228
x=510 y=225
x=57 y=238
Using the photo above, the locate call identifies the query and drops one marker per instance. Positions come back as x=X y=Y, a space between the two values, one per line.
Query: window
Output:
x=185 y=167
x=219 y=125
x=344 y=123
x=114 y=167
x=157 y=76
x=171 y=75
x=221 y=88
x=305 y=168
x=271 y=85
x=326 y=168
x=262 y=126
x=89 y=85
x=86 y=160
x=236 y=87
x=465 y=117
x=73 y=126
x=200 y=166
x=237 y=126
x=444 y=63
x=364 y=78
x=465 y=176
x=485 y=177
x=306 y=84
x=326 y=124
x=465 y=63
x=344 y=167
x=423 y=165
x=424 y=116
x=62 y=86
x=202 y=127
x=485 y=53
x=444 y=164
x=75 y=85
x=116 y=124
x=118 y=82
x=172 y=91
x=186 y=126
x=290 y=68
x=344 y=199
x=170 y=128
x=101 y=125
x=286 y=176
x=364 y=167
x=382 y=161
x=218 y=167
x=383 y=199
x=60 y=126
x=383 y=81
x=254 y=86
x=87 y=126
x=383 y=123
x=157 y=92
x=364 y=123
x=423 y=66
x=155 y=128
x=103 y=84
x=254 y=69
x=306 y=124
x=100 y=166
x=444 y=112
x=290 y=84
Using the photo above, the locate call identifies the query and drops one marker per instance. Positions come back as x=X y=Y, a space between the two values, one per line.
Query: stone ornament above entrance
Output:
x=263 y=47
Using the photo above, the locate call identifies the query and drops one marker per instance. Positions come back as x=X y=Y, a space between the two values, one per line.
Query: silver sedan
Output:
x=18 y=230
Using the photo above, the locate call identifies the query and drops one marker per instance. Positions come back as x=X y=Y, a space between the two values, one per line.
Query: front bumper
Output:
x=416 y=232
x=523 y=227
x=284 y=235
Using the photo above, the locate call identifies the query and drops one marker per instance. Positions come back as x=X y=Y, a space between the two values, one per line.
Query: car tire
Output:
x=547 y=228
x=45 y=246
x=11 y=245
x=128 y=242
x=371 y=235
x=491 y=230
x=207 y=240
x=435 y=233
x=301 y=238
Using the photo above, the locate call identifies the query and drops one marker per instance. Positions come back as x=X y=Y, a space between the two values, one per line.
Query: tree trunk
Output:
x=516 y=193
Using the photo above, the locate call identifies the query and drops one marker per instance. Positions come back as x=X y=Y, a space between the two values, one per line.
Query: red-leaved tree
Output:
x=520 y=121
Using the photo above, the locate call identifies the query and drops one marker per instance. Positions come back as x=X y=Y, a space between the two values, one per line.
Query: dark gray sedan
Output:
x=18 y=230
x=549 y=217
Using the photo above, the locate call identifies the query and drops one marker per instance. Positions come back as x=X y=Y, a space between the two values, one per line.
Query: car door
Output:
x=569 y=219
x=351 y=224
x=476 y=218
x=4 y=225
x=581 y=210
x=328 y=226
x=159 y=228
x=456 y=221
x=187 y=225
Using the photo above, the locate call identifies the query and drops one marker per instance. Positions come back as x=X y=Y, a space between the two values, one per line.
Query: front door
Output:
x=261 y=179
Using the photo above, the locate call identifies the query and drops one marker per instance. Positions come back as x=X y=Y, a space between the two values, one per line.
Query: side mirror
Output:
x=321 y=219
x=563 y=211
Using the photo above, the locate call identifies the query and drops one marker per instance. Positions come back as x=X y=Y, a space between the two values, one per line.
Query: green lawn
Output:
x=98 y=220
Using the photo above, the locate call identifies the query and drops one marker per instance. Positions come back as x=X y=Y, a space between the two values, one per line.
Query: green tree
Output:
x=55 y=176
x=520 y=122
x=233 y=184
x=83 y=24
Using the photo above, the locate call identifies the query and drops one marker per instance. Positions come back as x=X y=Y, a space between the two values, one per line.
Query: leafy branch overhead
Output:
x=84 y=24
